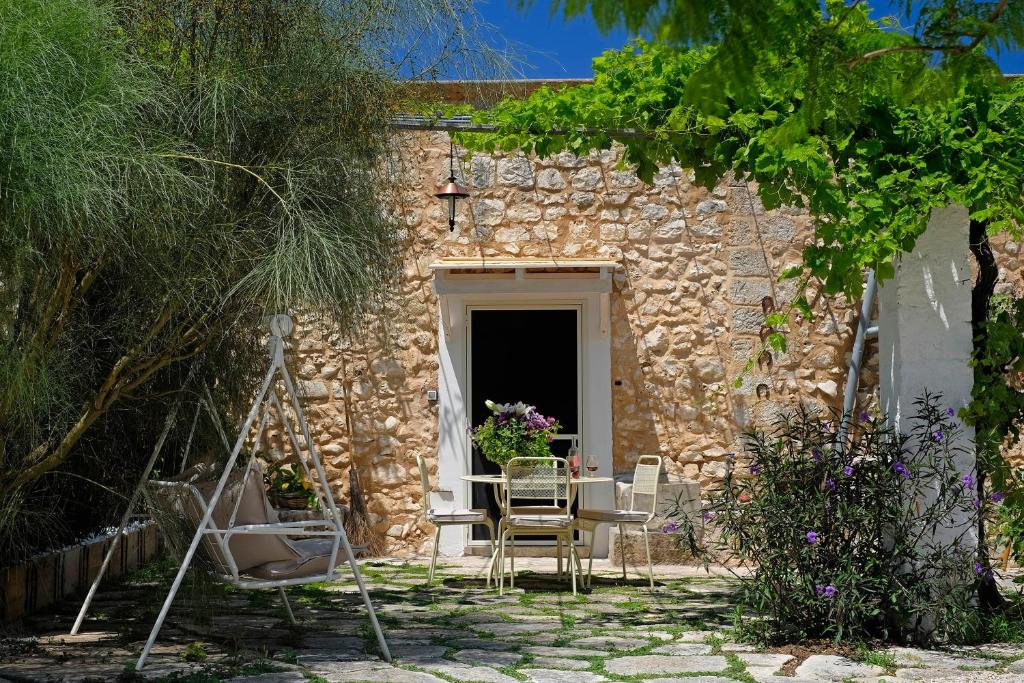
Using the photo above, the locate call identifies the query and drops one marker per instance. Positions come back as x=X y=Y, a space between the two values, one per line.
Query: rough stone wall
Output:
x=686 y=315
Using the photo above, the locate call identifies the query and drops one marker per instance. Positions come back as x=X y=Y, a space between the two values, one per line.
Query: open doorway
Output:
x=528 y=354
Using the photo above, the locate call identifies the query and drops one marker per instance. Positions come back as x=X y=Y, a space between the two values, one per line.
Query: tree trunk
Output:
x=981 y=296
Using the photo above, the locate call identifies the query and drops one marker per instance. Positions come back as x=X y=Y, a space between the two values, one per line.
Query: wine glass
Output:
x=574 y=461
x=591 y=465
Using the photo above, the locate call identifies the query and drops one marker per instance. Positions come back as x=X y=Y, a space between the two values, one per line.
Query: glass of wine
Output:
x=574 y=461
x=591 y=465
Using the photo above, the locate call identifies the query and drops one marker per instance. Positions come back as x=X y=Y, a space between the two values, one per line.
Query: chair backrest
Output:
x=645 y=484
x=536 y=478
x=424 y=482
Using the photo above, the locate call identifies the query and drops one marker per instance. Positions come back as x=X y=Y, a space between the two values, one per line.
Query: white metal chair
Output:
x=532 y=479
x=645 y=485
x=442 y=518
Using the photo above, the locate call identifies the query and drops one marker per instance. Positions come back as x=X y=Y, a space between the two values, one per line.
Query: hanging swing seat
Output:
x=257 y=551
x=219 y=513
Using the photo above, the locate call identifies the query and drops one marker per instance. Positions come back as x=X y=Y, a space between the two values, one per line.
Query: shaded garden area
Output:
x=457 y=631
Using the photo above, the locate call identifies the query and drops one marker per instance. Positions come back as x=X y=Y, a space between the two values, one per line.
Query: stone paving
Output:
x=457 y=631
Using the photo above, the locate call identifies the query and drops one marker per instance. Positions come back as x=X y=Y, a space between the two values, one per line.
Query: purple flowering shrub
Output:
x=839 y=541
x=514 y=430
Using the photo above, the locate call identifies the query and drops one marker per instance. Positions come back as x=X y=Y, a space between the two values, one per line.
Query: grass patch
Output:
x=886 y=660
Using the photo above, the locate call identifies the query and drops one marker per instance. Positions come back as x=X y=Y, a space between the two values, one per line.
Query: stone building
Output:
x=627 y=310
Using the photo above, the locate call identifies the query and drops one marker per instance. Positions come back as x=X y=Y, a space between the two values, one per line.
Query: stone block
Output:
x=516 y=171
x=587 y=179
x=488 y=211
x=748 y=262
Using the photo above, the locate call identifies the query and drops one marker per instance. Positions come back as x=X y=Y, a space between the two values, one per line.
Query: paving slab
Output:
x=834 y=668
x=642 y=631
x=507 y=628
x=696 y=679
x=543 y=638
x=410 y=654
x=926 y=674
x=487 y=657
x=665 y=664
x=481 y=644
x=391 y=674
x=560 y=663
x=567 y=651
x=556 y=676
x=934 y=659
x=697 y=636
x=277 y=677
x=682 y=649
x=611 y=642
x=465 y=673
x=342 y=643
x=764 y=660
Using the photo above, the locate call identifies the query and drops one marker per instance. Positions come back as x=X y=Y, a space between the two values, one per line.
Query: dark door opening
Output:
x=528 y=355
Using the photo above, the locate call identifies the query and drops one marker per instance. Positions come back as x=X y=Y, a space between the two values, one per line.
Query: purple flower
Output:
x=937 y=435
x=812 y=537
x=755 y=469
x=950 y=412
x=816 y=454
x=998 y=496
x=828 y=591
x=670 y=527
x=864 y=417
x=901 y=469
x=830 y=484
x=978 y=569
x=976 y=503
x=708 y=516
x=968 y=481
x=848 y=470
x=827 y=424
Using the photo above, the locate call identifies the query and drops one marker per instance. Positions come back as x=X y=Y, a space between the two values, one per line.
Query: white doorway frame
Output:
x=456 y=295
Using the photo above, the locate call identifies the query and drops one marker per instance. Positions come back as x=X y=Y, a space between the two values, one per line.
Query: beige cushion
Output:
x=314 y=557
x=547 y=521
x=614 y=516
x=457 y=516
x=248 y=550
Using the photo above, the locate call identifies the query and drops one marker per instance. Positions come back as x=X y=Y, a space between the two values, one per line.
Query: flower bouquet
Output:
x=514 y=430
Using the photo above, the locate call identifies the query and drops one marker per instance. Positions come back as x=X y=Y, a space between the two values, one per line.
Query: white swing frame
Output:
x=267 y=397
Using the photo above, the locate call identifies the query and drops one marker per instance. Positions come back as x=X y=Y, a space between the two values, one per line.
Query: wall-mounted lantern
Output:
x=450 y=190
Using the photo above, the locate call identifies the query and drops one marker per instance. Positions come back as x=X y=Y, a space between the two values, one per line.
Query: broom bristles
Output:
x=357 y=525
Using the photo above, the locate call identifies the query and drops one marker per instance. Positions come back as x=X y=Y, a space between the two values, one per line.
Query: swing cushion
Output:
x=249 y=550
x=313 y=558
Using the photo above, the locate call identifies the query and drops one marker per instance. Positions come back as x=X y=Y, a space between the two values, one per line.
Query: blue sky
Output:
x=554 y=48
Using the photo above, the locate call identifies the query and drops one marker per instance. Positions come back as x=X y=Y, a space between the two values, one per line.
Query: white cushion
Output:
x=552 y=521
x=614 y=516
x=457 y=516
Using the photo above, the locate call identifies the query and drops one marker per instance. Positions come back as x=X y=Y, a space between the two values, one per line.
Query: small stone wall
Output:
x=33 y=585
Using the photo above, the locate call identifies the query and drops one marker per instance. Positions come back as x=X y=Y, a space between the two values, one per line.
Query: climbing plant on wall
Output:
x=868 y=157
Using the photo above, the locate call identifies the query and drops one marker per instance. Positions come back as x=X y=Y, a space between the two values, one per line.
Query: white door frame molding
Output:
x=456 y=296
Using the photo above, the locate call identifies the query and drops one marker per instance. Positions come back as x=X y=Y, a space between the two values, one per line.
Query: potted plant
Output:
x=289 y=488
x=514 y=430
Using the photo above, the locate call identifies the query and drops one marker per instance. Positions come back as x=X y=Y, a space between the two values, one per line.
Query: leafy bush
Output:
x=872 y=541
